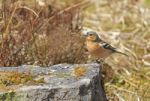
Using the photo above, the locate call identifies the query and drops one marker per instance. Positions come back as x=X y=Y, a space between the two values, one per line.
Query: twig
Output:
x=24 y=7
x=76 y=6
x=9 y=22
x=119 y=97
x=121 y=89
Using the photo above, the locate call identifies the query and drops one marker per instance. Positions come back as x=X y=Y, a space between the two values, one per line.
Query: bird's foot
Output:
x=100 y=61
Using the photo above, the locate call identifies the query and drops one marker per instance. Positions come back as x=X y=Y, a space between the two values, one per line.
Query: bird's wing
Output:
x=107 y=46
x=110 y=48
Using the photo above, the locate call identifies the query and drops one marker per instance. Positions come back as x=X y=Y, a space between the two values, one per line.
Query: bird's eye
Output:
x=90 y=34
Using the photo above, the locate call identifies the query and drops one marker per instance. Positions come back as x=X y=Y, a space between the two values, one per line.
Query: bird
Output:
x=98 y=47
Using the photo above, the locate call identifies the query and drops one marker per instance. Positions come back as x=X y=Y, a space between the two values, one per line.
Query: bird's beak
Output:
x=84 y=33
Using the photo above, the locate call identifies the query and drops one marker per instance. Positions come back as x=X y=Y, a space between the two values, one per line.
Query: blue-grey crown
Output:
x=94 y=33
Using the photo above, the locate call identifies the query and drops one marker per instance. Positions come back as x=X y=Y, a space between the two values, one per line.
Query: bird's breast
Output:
x=94 y=48
x=97 y=51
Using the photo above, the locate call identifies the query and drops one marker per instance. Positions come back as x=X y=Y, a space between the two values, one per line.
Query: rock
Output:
x=60 y=84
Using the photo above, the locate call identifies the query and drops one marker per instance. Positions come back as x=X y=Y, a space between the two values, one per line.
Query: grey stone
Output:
x=60 y=84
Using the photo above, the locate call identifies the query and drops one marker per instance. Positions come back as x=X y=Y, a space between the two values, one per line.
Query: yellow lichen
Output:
x=79 y=71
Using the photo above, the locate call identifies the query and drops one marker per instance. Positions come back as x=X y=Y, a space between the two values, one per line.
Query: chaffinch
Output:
x=97 y=47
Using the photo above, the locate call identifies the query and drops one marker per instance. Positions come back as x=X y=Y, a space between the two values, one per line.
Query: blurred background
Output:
x=124 y=24
x=47 y=32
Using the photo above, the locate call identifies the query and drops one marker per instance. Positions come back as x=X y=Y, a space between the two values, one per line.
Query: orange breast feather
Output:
x=97 y=51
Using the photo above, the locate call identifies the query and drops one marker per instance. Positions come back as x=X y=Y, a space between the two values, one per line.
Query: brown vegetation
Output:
x=40 y=35
x=125 y=25
x=46 y=35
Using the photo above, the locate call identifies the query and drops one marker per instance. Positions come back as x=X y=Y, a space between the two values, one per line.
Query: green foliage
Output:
x=147 y=2
x=7 y=96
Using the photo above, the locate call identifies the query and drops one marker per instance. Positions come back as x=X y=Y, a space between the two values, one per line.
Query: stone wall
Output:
x=61 y=83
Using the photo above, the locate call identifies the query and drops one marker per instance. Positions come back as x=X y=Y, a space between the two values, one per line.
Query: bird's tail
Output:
x=116 y=51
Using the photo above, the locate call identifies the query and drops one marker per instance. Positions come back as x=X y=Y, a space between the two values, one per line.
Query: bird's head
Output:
x=92 y=36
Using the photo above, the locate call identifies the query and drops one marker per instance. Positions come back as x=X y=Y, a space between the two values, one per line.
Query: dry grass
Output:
x=38 y=35
x=125 y=24
x=51 y=34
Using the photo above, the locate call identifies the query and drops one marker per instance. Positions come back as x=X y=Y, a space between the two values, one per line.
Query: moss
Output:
x=7 y=96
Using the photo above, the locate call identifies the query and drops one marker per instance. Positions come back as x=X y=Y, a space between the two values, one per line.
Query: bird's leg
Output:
x=100 y=61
